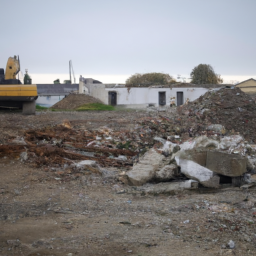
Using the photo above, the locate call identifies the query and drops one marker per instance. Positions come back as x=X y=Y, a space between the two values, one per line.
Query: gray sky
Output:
x=117 y=38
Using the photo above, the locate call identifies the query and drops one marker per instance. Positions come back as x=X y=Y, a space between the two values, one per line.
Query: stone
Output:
x=226 y=164
x=23 y=156
x=122 y=158
x=200 y=142
x=231 y=244
x=14 y=243
x=86 y=162
x=124 y=179
x=250 y=164
x=169 y=148
x=145 y=169
x=217 y=128
x=18 y=141
x=168 y=172
x=230 y=141
x=197 y=172
x=195 y=155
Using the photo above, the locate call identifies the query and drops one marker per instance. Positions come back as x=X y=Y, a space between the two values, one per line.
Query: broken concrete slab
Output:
x=226 y=164
x=168 y=172
x=168 y=187
x=197 y=172
x=144 y=171
x=196 y=155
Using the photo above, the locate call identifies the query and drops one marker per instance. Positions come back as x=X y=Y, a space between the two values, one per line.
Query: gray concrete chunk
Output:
x=226 y=164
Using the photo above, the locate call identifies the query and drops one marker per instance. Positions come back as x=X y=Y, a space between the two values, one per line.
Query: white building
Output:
x=138 y=97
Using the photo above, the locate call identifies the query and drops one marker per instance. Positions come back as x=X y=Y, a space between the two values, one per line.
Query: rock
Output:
x=14 y=243
x=226 y=164
x=18 y=141
x=163 y=141
x=196 y=155
x=144 y=171
x=23 y=156
x=230 y=141
x=217 y=128
x=247 y=178
x=124 y=178
x=86 y=162
x=200 y=142
x=197 y=172
x=250 y=164
x=168 y=172
x=121 y=158
x=231 y=244
x=89 y=165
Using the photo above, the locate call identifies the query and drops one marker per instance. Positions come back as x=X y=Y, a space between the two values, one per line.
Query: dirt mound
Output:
x=73 y=101
x=232 y=108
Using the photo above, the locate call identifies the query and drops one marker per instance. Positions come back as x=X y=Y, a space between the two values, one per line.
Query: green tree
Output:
x=145 y=80
x=204 y=74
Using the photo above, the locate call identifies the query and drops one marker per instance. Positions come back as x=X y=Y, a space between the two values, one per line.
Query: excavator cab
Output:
x=13 y=94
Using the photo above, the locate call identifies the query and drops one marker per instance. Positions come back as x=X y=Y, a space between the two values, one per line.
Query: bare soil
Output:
x=92 y=214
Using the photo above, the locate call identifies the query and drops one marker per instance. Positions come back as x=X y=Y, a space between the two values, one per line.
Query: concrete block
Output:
x=197 y=156
x=226 y=164
x=197 y=172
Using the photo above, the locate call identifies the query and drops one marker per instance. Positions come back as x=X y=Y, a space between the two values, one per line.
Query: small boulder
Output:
x=144 y=171
x=231 y=165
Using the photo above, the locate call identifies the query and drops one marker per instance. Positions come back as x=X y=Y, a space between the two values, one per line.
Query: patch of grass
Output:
x=38 y=107
x=95 y=106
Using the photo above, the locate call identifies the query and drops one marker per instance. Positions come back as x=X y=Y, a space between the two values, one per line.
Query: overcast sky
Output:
x=113 y=39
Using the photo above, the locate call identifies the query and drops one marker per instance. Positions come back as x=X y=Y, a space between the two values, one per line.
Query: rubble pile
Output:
x=230 y=108
x=201 y=143
x=73 y=101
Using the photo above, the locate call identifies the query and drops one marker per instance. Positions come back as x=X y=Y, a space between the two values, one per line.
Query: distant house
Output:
x=248 y=86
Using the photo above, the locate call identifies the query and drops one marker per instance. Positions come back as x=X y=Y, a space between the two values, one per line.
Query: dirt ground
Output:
x=91 y=214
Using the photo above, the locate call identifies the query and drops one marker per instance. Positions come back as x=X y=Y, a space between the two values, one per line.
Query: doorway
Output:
x=112 y=98
x=162 y=98
x=179 y=98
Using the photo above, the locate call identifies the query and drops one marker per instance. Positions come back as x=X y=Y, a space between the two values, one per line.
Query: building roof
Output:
x=246 y=81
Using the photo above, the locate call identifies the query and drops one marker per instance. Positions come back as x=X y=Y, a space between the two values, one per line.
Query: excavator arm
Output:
x=12 y=68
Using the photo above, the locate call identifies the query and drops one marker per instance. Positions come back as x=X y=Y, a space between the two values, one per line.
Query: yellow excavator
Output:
x=13 y=94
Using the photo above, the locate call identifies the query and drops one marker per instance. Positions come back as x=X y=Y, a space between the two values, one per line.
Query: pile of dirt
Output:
x=232 y=108
x=73 y=101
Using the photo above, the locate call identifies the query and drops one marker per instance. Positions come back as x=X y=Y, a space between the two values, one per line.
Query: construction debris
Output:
x=202 y=141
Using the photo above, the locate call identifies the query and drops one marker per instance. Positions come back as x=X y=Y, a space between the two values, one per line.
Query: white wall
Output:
x=98 y=91
x=140 y=96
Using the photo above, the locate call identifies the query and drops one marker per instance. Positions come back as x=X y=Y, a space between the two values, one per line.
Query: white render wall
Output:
x=98 y=91
x=142 y=96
